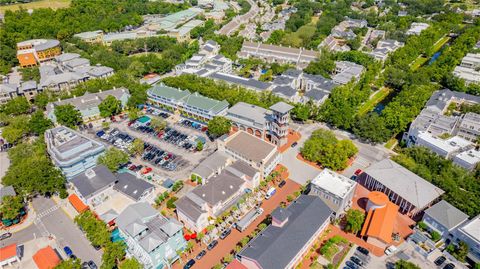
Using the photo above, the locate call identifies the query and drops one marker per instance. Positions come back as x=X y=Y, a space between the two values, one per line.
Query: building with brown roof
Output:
x=46 y=258
x=256 y=152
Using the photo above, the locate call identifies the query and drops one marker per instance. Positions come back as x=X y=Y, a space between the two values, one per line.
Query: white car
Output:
x=390 y=250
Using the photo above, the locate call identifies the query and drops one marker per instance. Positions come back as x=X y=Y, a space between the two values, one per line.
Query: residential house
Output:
x=136 y=189
x=248 y=83
x=209 y=200
x=467 y=159
x=210 y=166
x=8 y=92
x=470 y=234
x=469 y=127
x=33 y=52
x=384 y=48
x=346 y=71
x=256 y=152
x=149 y=236
x=188 y=104
x=444 y=218
x=446 y=148
x=91 y=37
x=334 y=189
x=88 y=103
x=417 y=27
x=182 y=34
x=94 y=186
x=72 y=152
x=334 y=44
x=293 y=231
x=410 y=192
x=469 y=68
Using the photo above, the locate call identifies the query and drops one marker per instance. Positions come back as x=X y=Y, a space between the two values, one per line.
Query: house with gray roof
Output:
x=72 y=152
x=248 y=83
x=88 y=103
x=211 y=166
x=346 y=71
x=211 y=199
x=293 y=231
x=191 y=105
x=150 y=237
x=444 y=218
x=94 y=185
x=410 y=192
x=469 y=232
x=7 y=92
x=134 y=188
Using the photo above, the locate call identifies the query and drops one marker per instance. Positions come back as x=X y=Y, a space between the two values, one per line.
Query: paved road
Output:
x=4 y=164
x=65 y=230
x=23 y=236
x=230 y=27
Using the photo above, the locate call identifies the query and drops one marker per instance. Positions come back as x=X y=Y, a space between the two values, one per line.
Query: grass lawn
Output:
x=376 y=98
x=158 y=54
x=391 y=143
x=55 y=4
x=418 y=62
x=439 y=44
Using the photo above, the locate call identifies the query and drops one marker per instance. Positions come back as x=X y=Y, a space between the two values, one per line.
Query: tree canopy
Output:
x=219 y=126
x=325 y=149
x=68 y=115
x=11 y=206
x=354 y=220
x=110 y=106
x=113 y=158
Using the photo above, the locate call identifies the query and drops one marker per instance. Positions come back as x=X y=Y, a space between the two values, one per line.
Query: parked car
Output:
x=356 y=260
x=294 y=144
x=358 y=172
x=225 y=233
x=352 y=265
x=440 y=260
x=282 y=183
x=449 y=266
x=390 y=250
x=201 y=254
x=189 y=264
x=212 y=245
x=92 y=265
x=68 y=251
x=5 y=236
x=363 y=250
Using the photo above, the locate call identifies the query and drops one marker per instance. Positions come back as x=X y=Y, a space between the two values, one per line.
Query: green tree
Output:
x=11 y=206
x=16 y=129
x=137 y=147
x=68 y=115
x=113 y=158
x=200 y=237
x=403 y=264
x=219 y=126
x=16 y=106
x=189 y=246
x=199 y=146
x=372 y=128
x=38 y=124
x=110 y=106
x=171 y=202
x=133 y=114
x=96 y=230
x=69 y=264
x=41 y=100
x=131 y=263
x=157 y=123
x=354 y=220
x=112 y=254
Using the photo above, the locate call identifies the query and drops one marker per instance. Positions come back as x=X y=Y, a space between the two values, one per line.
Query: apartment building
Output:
x=90 y=37
x=346 y=72
x=384 y=48
x=192 y=105
x=87 y=104
x=35 y=51
x=284 y=243
x=469 y=68
x=271 y=53
x=416 y=28
x=149 y=236
x=334 y=189
x=446 y=148
x=444 y=218
x=469 y=127
x=254 y=151
x=469 y=233
x=72 y=152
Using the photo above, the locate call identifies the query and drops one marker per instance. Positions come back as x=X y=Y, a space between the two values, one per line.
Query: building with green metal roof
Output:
x=189 y=105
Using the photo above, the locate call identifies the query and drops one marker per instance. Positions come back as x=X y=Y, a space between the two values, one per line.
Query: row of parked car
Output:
x=360 y=259
x=169 y=135
x=193 y=125
x=162 y=158
x=157 y=112
x=210 y=246
x=116 y=138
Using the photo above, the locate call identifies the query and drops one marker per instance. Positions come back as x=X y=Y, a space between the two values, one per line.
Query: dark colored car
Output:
x=449 y=266
x=356 y=260
x=201 y=254
x=68 y=251
x=294 y=144
x=212 y=245
x=352 y=265
x=282 y=183
x=92 y=265
x=363 y=250
x=440 y=260
x=225 y=233
x=189 y=264
x=5 y=236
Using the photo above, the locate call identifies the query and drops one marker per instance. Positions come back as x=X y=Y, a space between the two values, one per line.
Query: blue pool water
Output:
x=116 y=236
x=434 y=57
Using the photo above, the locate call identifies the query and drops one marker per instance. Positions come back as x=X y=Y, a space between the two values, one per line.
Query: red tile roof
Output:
x=46 y=258
x=380 y=221
x=235 y=264
x=77 y=203
x=8 y=252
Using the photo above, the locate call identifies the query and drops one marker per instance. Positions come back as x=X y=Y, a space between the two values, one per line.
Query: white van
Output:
x=270 y=193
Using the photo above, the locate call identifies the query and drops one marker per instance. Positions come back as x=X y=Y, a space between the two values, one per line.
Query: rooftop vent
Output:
x=126 y=186
x=90 y=173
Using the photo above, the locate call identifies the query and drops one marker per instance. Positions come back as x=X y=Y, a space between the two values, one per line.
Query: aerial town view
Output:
x=240 y=134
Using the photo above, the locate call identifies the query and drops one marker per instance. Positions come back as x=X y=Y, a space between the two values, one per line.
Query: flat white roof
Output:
x=470 y=156
x=449 y=145
x=334 y=183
